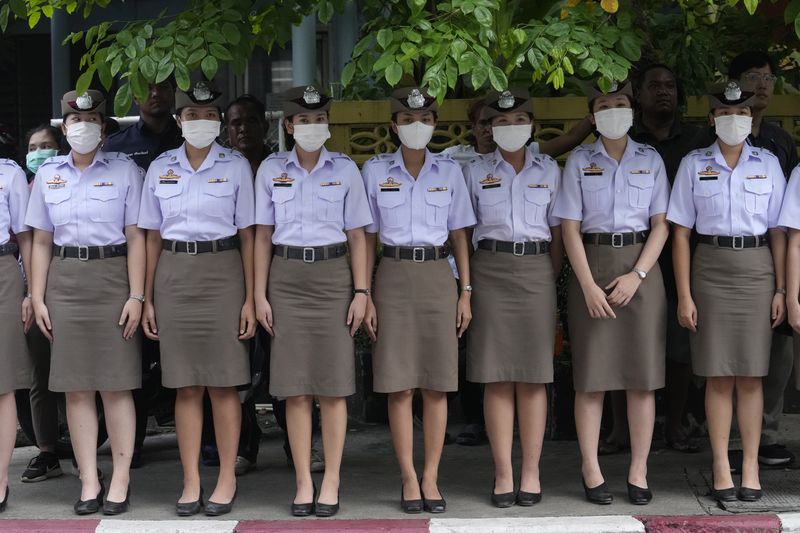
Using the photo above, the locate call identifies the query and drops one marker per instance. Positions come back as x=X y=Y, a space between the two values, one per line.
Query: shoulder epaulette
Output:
x=56 y=159
x=9 y=162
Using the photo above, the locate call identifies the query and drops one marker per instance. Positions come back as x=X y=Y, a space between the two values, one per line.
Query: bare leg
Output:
x=82 y=421
x=121 y=425
x=641 y=419
x=749 y=410
x=532 y=419
x=434 y=424
x=498 y=412
x=298 y=427
x=719 y=410
x=588 y=415
x=8 y=437
x=227 y=412
x=333 y=419
x=189 y=427
x=402 y=427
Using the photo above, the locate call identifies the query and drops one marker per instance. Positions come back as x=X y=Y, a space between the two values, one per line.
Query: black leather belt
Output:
x=84 y=253
x=518 y=248
x=310 y=254
x=737 y=243
x=418 y=254
x=617 y=240
x=8 y=248
x=201 y=247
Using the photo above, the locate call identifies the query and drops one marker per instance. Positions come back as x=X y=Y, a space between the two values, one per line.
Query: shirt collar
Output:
x=530 y=160
x=99 y=158
x=748 y=152
x=398 y=162
x=216 y=153
x=630 y=149
x=324 y=158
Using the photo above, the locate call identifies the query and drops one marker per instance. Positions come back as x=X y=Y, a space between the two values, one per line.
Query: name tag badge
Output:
x=331 y=184
x=538 y=186
x=708 y=178
x=56 y=183
x=282 y=181
x=708 y=171
x=592 y=170
x=641 y=171
x=437 y=189
x=492 y=186
x=490 y=179
x=218 y=180
x=170 y=178
x=104 y=184
x=756 y=177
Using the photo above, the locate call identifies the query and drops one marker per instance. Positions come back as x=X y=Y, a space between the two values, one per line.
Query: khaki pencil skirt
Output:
x=15 y=366
x=733 y=291
x=417 y=343
x=198 y=302
x=512 y=333
x=85 y=300
x=625 y=353
x=312 y=350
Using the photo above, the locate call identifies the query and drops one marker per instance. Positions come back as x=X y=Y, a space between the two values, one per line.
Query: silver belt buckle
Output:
x=414 y=253
x=83 y=253
x=312 y=257
x=617 y=240
x=518 y=249
x=741 y=242
x=191 y=247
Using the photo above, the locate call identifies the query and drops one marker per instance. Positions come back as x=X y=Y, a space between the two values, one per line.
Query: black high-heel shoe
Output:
x=723 y=495
x=599 y=494
x=409 y=506
x=115 y=508
x=504 y=499
x=432 y=506
x=326 y=510
x=4 y=503
x=527 y=499
x=638 y=495
x=191 y=508
x=746 y=494
x=84 y=507
x=305 y=509
x=219 y=509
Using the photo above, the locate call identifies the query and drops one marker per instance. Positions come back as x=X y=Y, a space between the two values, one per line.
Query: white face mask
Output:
x=733 y=129
x=311 y=137
x=84 y=137
x=512 y=138
x=200 y=133
x=415 y=135
x=614 y=123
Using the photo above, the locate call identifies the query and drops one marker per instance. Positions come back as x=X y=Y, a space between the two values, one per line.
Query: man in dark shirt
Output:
x=155 y=133
x=658 y=123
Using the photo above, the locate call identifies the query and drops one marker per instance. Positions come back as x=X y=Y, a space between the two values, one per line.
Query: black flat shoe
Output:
x=114 y=508
x=504 y=499
x=745 y=494
x=4 y=503
x=409 y=506
x=84 y=507
x=724 y=495
x=219 y=509
x=432 y=506
x=638 y=495
x=326 y=510
x=305 y=509
x=526 y=499
x=191 y=508
x=599 y=494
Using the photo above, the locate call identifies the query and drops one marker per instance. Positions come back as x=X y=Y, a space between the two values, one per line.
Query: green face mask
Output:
x=35 y=159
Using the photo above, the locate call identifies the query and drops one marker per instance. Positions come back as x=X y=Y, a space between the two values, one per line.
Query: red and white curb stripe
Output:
x=767 y=523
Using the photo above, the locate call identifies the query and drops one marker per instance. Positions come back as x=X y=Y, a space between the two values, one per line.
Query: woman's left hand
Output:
x=464 y=313
x=131 y=315
x=778 y=309
x=247 y=321
x=624 y=287
x=355 y=315
x=27 y=315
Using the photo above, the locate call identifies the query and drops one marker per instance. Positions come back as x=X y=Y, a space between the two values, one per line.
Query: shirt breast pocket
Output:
x=536 y=202
x=103 y=205
x=756 y=195
x=437 y=208
x=284 y=202
x=492 y=207
x=330 y=207
x=394 y=209
x=169 y=198
x=217 y=199
x=640 y=190
x=596 y=192
x=709 y=198
x=58 y=205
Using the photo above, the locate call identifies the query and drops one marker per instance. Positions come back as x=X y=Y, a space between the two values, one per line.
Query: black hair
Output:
x=52 y=130
x=112 y=126
x=750 y=59
x=249 y=100
x=394 y=115
x=631 y=101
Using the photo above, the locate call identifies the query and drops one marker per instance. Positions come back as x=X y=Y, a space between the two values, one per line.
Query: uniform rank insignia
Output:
x=282 y=181
x=218 y=180
x=173 y=158
x=593 y=170
x=104 y=184
x=641 y=171
x=56 y=183
x=390 y=185
x=330 y=184
x=490 y=182
x=538 y=186
x=756 y=177
x=437 y=189
x=170 y=178
x=708 y=173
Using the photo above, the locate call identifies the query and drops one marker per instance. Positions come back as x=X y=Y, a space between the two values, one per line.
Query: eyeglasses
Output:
x=755 y=77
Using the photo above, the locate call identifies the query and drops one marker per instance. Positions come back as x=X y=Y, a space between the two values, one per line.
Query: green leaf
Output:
x=85 y=80
x=148 y=31
x=385 y=37
x=347 y=73
x=629 y=47
x=557 y=29
x=751 y=6
x=220 y=52
x=213 y=36
x=383 y=62
x=33 y=20
x=182 y=77
x=231 y=33
x=141 y=44
x=104 y=74
x=362 y=45
x=125 y=37
x=413 y=36
x=479 y=75
x=544 y=44
x=791 y=12
x=196 y=56
x=325 y=12
x=498 y=79
x=139 y=86
x=483 y=16
x=589 y=65
x=123 y=100
x=231 y=15
x=130 y=50
x=116 y=65
x=148 y=67
x=164 y=70
x=393 y=74
x=4 y=13
x=164 y=42
x=209 y=66
x=47 y=11
x=567 y=64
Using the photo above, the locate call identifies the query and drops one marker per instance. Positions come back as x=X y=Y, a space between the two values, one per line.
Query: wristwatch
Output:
x=466 y=288
x=138 y=297
x=639 y=272
x=362 y=291
x=780 y=291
